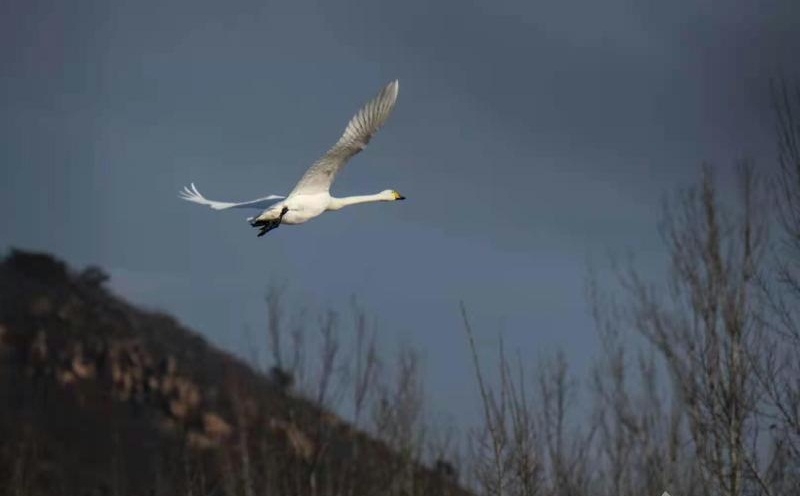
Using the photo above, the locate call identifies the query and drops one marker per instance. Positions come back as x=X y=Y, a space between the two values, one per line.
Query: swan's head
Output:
x=392 y=195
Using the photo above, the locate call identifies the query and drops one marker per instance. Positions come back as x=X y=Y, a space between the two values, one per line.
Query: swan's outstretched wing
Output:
x=319 y=177
x=192 y=195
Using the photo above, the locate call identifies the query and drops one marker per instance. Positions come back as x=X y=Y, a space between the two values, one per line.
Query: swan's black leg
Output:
x=269 y=225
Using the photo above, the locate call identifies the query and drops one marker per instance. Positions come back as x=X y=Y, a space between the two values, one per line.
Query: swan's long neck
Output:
x=338 y=203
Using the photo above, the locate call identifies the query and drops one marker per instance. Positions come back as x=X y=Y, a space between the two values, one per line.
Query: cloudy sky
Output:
x=528 y=138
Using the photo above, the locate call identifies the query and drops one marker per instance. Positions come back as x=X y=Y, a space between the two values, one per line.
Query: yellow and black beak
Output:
x=398 y=196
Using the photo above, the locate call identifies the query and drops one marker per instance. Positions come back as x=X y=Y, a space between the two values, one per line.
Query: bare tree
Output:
x=366 y=363
x=506 y=452
x=397 y=417
x=567 y=449
x=353 y=382
x=779 y=364
x=642 y=437
x=708 y=326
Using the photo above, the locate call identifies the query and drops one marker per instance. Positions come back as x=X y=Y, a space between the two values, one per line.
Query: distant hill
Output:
x=98 y=397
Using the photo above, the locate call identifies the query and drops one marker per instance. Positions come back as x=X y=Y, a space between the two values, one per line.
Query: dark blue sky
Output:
x=528 y=138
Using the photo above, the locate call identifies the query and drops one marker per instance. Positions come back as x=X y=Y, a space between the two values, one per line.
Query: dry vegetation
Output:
x=696 y=390
x=102 y=398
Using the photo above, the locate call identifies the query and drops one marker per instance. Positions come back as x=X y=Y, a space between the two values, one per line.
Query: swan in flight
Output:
x=311 y=196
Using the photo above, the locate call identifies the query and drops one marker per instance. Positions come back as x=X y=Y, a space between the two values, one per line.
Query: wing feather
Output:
x=358 y=133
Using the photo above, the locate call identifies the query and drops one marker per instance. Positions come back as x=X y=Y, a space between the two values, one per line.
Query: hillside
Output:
x=100 y=397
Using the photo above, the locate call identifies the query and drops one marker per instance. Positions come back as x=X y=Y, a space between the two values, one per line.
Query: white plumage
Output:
x=311 y=196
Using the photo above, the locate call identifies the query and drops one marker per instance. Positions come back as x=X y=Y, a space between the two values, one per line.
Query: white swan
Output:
x=311 y=196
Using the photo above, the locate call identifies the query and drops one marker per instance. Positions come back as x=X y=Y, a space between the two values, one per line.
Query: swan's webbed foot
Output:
x=268 y=225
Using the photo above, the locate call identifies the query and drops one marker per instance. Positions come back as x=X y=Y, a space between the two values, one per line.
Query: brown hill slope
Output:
x=98 y=397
